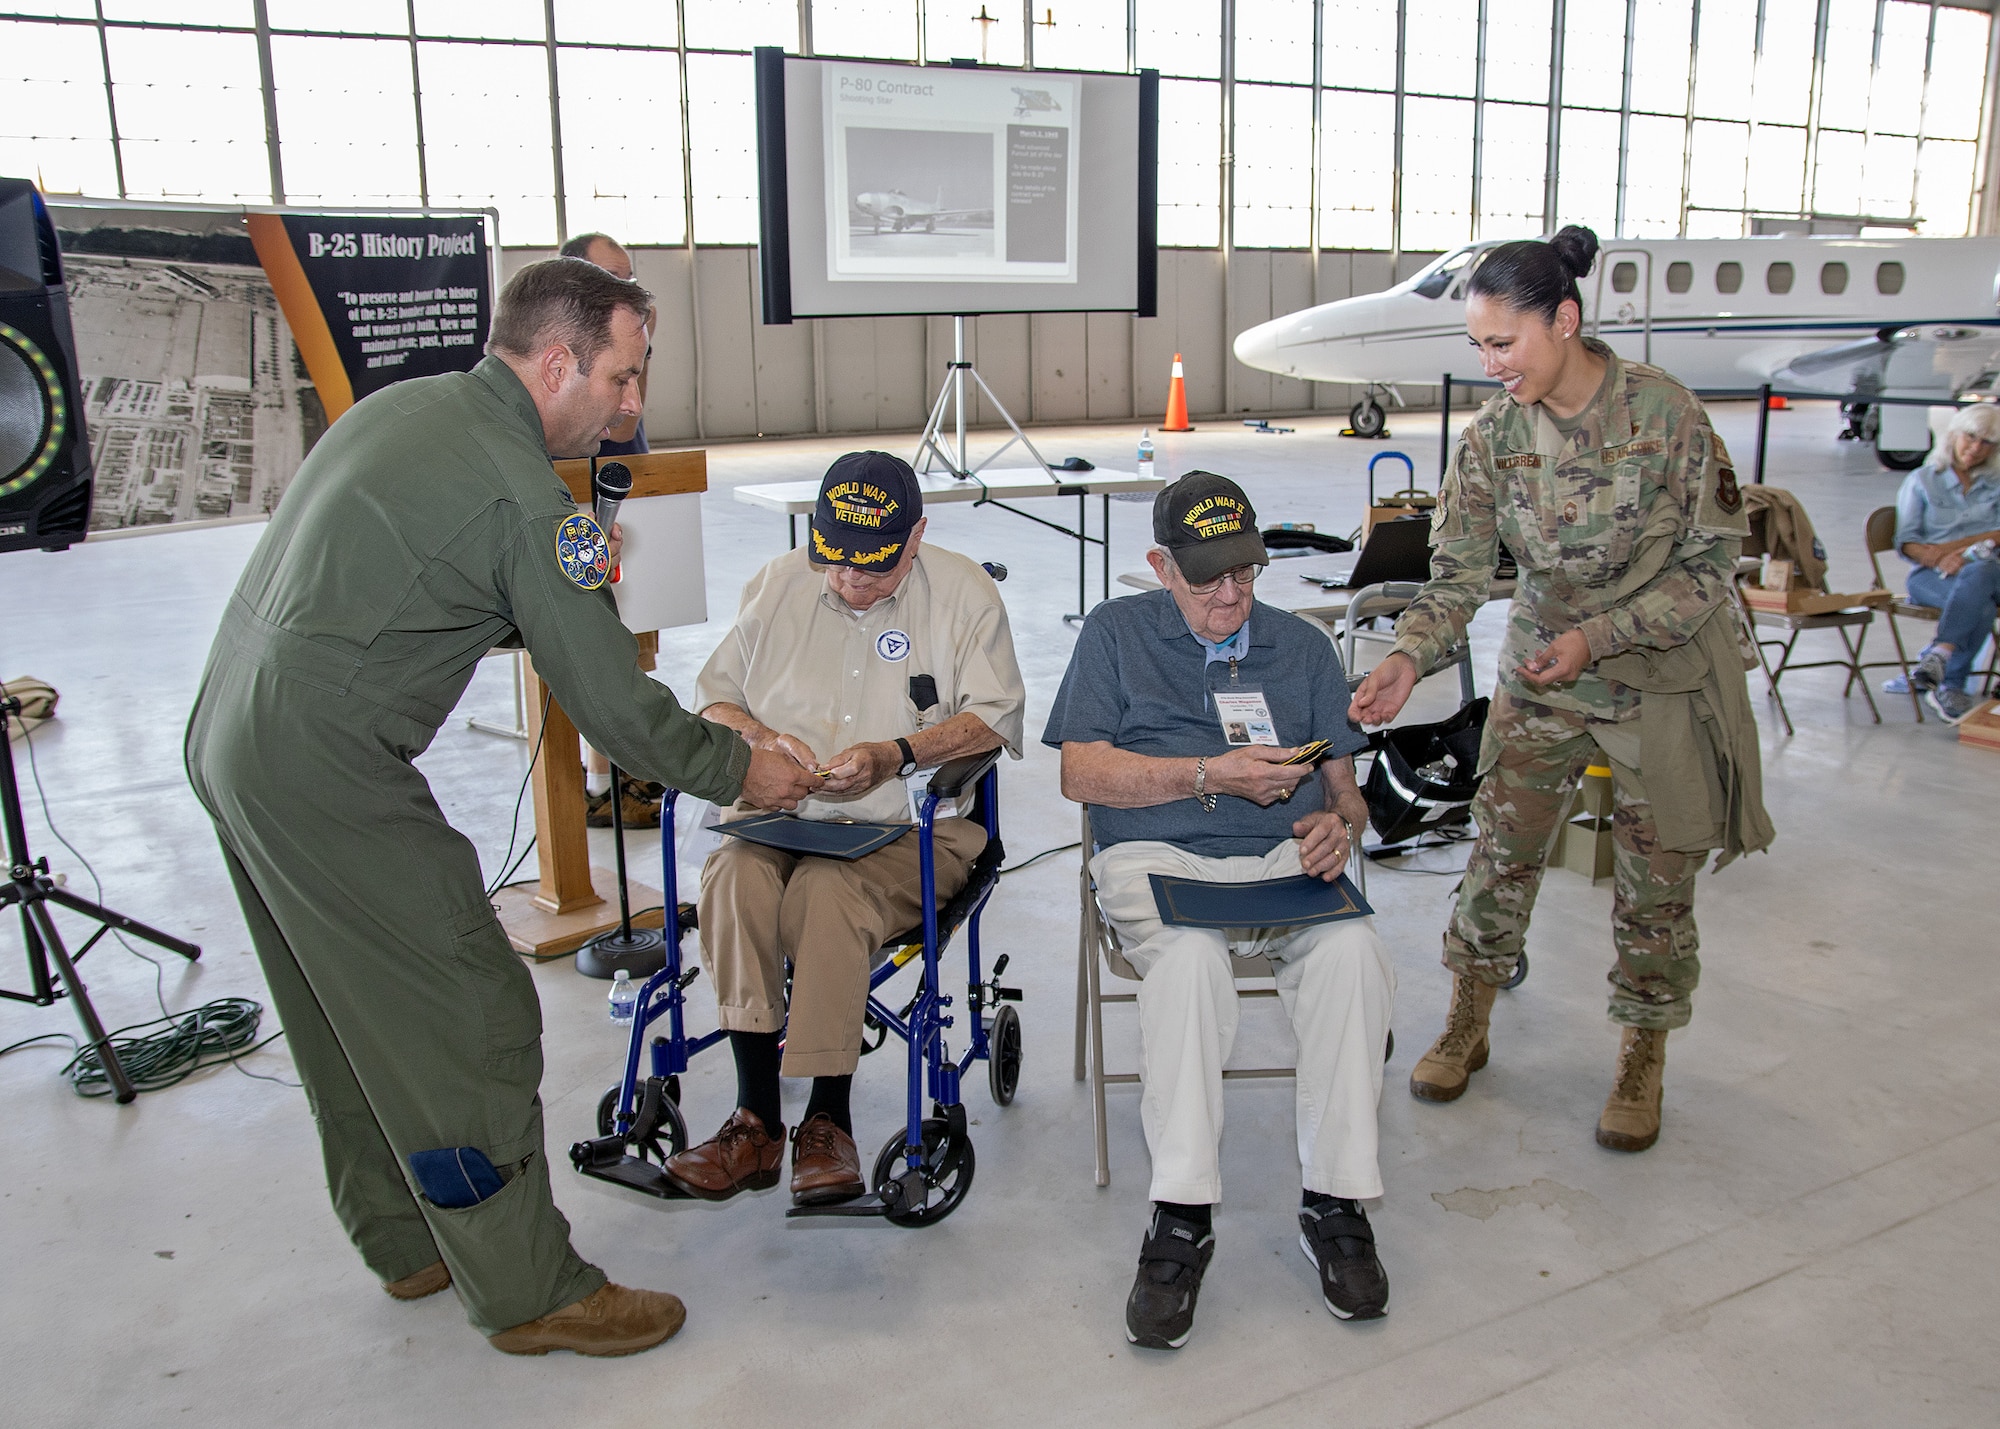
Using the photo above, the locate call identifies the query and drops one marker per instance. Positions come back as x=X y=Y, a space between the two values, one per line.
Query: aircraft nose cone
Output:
x=1257 y=348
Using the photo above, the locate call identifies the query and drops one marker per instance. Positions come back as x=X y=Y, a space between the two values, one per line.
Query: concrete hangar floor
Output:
x=1814 y=1241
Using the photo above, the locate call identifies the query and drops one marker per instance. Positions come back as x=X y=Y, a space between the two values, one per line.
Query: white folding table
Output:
x=994 y=487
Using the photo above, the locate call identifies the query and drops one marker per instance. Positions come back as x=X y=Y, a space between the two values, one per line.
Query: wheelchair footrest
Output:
x=606 y=1160
x=868 y=1205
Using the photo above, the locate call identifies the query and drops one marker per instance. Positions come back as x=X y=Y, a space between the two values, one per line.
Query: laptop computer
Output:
x=1395 y=551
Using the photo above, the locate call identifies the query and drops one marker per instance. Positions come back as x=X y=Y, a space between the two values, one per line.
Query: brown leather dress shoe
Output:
x=611 y=1320
x=415 y=1286
x=826 y=1166
x=742 y=1156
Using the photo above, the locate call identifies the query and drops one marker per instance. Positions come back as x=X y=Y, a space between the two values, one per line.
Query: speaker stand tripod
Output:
x=29 y=885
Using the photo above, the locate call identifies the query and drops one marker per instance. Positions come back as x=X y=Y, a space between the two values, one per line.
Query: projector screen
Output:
x=952 y=189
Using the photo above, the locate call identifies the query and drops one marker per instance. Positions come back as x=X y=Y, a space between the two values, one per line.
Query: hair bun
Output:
x=1577 y=247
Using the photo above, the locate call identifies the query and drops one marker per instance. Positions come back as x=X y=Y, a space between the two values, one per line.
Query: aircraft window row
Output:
x=1778 y=278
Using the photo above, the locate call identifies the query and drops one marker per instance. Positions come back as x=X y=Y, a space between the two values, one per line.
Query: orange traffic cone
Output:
x=1177 y=401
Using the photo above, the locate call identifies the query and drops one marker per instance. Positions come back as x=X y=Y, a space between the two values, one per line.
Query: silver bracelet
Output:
x=1201 y=794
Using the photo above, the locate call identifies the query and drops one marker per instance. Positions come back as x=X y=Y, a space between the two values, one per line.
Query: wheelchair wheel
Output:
x=669 y=1134
x=1520 y=972
x=1003 y=1056
x=948 y=1167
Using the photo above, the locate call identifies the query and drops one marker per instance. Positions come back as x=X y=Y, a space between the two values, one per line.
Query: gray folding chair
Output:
x=1390 y=598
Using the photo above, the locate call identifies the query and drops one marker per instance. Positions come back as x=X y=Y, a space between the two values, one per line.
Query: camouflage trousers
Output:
x=1542 y=752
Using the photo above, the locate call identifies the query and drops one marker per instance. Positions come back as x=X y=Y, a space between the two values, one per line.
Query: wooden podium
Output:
x=572 y=902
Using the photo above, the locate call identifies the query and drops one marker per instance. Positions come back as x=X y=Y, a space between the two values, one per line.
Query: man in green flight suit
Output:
x=424 y=529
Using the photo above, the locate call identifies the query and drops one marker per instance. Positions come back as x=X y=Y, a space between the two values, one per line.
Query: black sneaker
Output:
x=1159 y=1314
x=1337 y=1239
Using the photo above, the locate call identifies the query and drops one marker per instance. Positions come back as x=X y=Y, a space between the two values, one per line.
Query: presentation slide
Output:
x=954 y=189
x=940 y=174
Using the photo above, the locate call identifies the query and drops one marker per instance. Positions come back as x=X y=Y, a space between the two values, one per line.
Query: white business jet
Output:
x=1852 y=318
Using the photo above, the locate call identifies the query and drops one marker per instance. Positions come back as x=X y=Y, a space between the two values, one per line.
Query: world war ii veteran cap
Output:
x=1209 y=525
x=868 y=503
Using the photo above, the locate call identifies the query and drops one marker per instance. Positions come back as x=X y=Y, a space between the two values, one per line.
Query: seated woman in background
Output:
x=1947 y=519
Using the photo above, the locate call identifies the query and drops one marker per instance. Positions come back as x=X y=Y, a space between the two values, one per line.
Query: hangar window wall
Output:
x=1387 y=124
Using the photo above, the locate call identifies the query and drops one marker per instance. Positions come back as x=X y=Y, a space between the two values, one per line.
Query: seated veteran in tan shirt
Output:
x=836 y=654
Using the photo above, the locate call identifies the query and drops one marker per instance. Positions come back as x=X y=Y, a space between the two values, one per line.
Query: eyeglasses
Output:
x=1243 y=576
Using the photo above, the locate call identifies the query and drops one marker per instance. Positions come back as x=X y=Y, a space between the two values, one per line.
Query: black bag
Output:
x=1424 y=775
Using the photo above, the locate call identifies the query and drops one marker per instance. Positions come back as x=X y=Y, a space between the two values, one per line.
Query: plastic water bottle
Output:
x=624 y=997
x=1146 y=454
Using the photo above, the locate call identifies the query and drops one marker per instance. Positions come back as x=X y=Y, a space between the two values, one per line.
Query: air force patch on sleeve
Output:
x=582 y=551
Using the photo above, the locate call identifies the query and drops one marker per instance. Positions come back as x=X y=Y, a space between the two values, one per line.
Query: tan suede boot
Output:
x=1442 y=1073
x=1631 y=1120
x=416 y=1285
x=611 y=1320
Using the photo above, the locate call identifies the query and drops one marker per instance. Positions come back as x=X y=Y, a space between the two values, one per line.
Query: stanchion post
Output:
x=1763 y=428
x=1444 y=431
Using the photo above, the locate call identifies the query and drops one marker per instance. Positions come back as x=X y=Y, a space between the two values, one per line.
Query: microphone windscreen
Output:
x=613 y=479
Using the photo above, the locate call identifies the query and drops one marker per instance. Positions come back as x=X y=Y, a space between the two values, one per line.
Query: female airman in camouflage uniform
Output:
x=1616 y=498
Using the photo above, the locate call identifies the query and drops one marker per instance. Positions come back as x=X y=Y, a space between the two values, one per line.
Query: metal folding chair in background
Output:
x=1881 y=538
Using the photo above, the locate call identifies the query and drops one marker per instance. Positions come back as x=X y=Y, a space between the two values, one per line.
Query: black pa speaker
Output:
x=45 y=465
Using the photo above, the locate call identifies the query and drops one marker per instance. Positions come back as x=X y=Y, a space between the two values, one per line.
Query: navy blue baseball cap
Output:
x=868 y=504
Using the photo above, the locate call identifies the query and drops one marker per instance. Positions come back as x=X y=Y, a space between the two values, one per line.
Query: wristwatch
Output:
x=909 y=758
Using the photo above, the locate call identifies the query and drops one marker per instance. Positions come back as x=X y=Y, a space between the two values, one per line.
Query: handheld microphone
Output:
x=610 y=484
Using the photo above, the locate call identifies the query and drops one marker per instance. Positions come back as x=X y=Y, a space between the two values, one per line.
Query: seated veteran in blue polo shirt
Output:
x=1174 y=719
x=1947 y=519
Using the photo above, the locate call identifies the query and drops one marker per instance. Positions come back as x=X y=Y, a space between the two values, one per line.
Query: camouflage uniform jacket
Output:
x=1572 y=510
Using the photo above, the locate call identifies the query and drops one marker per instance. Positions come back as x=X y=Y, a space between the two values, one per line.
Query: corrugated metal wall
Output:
x=881 y=374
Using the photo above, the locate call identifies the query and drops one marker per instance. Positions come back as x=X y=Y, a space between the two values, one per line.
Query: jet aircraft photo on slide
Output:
x=1853 y=318
x=904 y=214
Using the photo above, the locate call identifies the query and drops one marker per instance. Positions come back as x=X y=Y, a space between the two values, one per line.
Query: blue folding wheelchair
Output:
x=924 y=1170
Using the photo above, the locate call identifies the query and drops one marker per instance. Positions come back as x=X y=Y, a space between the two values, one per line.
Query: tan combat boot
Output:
x=611 y=1320
x=1631 y=1120
x=1460 y=1050
x=428 y=1281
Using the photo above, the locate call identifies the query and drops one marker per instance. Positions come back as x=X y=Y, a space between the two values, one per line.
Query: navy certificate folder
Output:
x=822 y=838
x=1268 y=903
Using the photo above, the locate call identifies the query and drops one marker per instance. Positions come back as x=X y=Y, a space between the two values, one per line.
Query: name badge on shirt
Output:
x=1246 y=718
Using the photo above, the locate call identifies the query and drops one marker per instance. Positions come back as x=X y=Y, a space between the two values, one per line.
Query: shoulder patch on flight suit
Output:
x=582 y=552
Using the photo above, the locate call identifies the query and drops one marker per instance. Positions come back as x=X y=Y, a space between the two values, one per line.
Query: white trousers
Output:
x=1334 y=981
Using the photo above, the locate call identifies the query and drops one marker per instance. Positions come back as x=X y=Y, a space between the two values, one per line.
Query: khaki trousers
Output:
x=762 y=908
x=1334 y=981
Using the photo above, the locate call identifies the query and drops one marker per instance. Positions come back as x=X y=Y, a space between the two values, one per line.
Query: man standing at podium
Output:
x=1178 y=721
x=424 y=529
